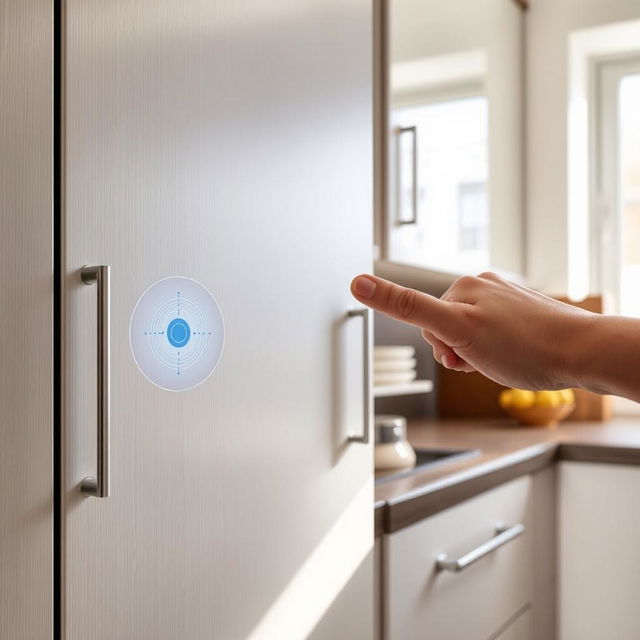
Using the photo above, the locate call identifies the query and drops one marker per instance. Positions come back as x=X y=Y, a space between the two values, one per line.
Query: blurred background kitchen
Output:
x=508 y=140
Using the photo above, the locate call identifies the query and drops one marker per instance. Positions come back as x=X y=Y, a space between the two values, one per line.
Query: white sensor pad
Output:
x=176 y=333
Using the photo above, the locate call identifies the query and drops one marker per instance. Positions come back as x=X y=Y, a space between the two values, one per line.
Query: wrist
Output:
x=582 y=349
x=606 y=355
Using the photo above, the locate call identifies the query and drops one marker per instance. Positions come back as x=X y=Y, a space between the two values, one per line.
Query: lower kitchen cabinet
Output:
x=599 y=549
x=473 y=604
x=508 y=594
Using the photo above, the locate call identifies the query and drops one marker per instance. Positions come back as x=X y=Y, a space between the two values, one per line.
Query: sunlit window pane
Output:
x=452 y=158
x=629 y=176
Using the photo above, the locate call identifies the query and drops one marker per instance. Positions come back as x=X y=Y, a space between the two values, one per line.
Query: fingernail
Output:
x=364 y=287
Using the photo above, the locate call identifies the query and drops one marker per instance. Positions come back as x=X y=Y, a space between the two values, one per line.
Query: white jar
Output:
x=392 y=450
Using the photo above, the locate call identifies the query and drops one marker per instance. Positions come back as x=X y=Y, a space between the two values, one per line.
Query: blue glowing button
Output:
x=178 y=332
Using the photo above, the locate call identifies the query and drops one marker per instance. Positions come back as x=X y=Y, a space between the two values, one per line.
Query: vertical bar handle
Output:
x=414 y=175
x=98 y=486
x=367 y=412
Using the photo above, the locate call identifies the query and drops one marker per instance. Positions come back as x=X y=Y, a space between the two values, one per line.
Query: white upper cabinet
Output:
x=451 y=136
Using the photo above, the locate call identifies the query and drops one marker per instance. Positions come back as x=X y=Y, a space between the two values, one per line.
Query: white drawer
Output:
x=421 y=602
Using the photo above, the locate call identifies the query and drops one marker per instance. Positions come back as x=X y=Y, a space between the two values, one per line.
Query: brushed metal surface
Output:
x=503 y=535
x=98 y=485
x=413 y=130
x=229 y=142
x=367 y=391
x=26 y=311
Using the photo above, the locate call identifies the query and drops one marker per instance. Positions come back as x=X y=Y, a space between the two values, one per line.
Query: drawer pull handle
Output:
x=503 y=535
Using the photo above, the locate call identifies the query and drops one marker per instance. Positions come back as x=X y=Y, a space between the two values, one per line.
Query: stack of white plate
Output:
x=393 y=365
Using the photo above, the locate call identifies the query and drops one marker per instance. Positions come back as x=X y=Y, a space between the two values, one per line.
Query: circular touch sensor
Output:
x=176 y=333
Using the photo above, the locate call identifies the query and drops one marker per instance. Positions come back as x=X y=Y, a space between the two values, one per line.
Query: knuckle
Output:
x=466 y=282
x=406 y=303
x=489 y=275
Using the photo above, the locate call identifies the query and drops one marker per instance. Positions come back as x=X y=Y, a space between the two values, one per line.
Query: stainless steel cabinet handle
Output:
x=503 y=535
x=98 y=486
x=414 y=176
x=366 y=374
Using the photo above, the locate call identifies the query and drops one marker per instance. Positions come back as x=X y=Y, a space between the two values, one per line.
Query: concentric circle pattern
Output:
x=177 y=333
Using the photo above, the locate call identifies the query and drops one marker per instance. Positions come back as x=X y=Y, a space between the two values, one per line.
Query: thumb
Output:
x=408 y=305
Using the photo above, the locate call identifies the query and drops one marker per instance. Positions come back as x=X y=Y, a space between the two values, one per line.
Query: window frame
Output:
x=605 y=215
x=606 y=230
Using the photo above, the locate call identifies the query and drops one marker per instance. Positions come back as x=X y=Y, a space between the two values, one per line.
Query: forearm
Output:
x=606 y=356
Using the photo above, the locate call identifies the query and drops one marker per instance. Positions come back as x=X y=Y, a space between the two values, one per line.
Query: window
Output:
x=447 y=139
x=629 y=185
x=616 y=214
x=473 y=217
x=618 y=180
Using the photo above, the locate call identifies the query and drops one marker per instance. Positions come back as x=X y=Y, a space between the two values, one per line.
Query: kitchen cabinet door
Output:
x=545 y=531
x=599 y=570
x=227 y=142
x=453 y=139
x=26 y=319
x=477 y=601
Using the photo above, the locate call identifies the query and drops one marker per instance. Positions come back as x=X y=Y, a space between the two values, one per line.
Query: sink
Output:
x=427 y=459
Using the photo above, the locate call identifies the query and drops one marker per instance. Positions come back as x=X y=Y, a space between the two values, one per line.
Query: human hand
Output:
x=513 y=335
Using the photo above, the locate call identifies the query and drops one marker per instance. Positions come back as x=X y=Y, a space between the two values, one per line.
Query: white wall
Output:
x=548 y=25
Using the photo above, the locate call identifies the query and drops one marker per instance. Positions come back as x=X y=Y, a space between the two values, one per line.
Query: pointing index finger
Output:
x=407 y=305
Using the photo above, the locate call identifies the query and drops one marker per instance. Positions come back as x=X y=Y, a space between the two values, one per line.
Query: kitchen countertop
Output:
x=506 y=452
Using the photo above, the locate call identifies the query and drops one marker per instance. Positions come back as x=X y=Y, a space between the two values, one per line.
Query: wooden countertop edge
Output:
x=415 y=505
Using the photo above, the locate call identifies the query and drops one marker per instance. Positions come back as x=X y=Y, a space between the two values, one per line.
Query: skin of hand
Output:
x=514 y=335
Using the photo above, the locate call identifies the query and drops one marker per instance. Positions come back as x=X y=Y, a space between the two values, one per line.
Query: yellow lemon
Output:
x=547 y=399
x=521 y=399
x=505 y=398
x=567 y=396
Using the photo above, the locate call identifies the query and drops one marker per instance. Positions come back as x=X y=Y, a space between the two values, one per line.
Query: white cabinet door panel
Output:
x=26 y=319
x=471 y=605
x=229 y=142
x=599 y=551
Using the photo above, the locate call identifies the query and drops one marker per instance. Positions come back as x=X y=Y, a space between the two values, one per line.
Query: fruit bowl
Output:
x=541 y=416
x=538 y=408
